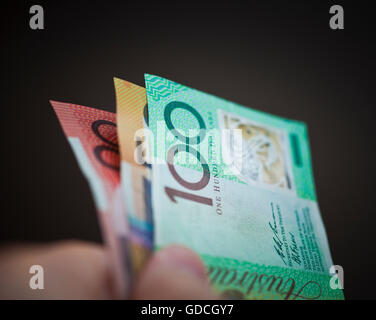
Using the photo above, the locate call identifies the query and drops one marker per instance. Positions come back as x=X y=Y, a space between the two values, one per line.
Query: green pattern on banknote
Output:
x=159 y=88
x=236 y=279
x=161 y=92
x=252 y=281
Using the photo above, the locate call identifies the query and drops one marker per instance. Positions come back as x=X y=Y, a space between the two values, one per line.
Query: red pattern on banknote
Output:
x=77 y=121
x=96 y=130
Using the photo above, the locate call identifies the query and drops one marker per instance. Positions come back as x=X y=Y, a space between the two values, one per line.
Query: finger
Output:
x=71 y=270
x=174 y=273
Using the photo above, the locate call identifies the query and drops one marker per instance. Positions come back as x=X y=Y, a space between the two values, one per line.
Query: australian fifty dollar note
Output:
x=131 y=112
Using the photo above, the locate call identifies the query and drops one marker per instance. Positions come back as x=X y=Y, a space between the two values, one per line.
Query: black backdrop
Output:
x=278 y=57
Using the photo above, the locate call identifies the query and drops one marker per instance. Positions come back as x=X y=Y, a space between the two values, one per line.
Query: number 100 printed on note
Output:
x=236 y=186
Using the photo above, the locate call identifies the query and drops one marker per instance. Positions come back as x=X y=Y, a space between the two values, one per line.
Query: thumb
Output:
x=174 y=272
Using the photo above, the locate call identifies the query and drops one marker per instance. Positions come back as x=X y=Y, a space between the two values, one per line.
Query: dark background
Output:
x=278 y=57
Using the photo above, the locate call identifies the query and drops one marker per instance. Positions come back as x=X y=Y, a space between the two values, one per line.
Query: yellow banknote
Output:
x=131 y=104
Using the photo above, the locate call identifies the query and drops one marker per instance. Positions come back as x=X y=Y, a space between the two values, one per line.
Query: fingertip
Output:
x=181 y=258
x=174 y=272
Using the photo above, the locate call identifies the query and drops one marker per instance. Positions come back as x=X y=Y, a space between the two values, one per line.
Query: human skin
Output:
x=80 y=270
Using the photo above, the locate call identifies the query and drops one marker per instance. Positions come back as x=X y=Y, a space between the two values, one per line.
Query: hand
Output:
x=79 y=270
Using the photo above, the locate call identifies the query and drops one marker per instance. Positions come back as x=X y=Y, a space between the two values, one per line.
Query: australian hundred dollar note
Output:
x=236 y=185
x=92 y=136
x=131 y=112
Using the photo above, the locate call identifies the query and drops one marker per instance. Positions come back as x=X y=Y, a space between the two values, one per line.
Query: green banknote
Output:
x=236 y=185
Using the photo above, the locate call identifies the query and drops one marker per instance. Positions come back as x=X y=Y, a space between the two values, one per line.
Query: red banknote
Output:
x=92 y=135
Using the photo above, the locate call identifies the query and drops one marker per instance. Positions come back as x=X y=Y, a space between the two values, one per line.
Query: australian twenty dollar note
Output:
x=236 y=186
x=92 y=135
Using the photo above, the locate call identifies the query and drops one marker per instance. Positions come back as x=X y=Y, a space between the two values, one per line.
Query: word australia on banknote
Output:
x=92 y=135
x=236 y=186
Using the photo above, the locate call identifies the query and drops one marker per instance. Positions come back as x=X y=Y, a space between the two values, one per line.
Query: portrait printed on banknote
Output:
x=255 y=153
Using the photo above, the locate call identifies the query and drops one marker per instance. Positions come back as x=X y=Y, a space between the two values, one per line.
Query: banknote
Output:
x=236 y=185
x=92 y=135
x=135 y=170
